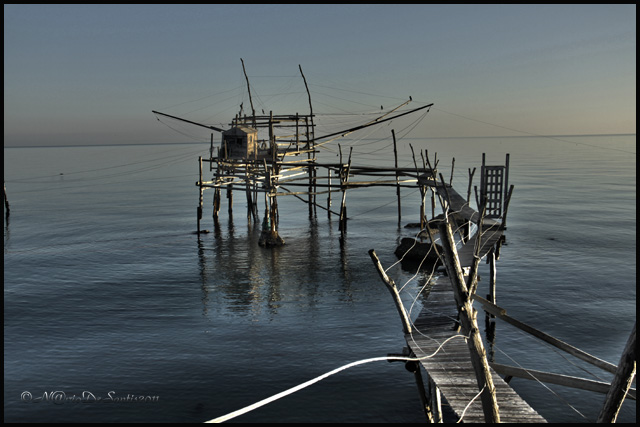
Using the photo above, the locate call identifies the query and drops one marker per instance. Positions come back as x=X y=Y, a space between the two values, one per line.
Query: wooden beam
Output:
x=548 y=377
x=500 y=313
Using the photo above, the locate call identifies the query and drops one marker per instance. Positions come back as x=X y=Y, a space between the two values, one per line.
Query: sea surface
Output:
x=115 y=311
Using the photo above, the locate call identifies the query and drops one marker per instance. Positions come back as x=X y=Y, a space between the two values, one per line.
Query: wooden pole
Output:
x=253 y=111
x=6 y=201
x=491 y=259
x=211 y=155
x=436 y=402
x=201 y=199
x=421 y=188
x=471 y=173
x=391 y=286
x=230 y=198
x=395 y=156
x=472 y=281
x=506 y=207
x=329 y=193
x=248 y=193
x=453 y=163
x=344 y=178
x=621 y=382
x=216 y=203
x=467 y=315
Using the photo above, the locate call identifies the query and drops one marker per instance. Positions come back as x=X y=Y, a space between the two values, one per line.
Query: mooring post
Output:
x=621 y=382
x=467 y=315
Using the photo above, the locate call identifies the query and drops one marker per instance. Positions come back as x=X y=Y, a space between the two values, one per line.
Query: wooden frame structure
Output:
x=284 y=163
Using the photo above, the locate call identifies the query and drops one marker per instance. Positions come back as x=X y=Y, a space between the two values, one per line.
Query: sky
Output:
x=92 y=74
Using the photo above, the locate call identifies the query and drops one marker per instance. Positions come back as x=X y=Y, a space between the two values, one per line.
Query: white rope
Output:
x=299 y=387
x=469 y=404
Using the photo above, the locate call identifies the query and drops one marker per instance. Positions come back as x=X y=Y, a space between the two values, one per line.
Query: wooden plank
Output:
x=491 y=233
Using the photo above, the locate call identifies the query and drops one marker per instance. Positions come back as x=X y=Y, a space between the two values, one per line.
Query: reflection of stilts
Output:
x=269 y=235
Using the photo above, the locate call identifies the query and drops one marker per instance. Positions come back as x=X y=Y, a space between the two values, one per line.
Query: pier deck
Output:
x=451 y=368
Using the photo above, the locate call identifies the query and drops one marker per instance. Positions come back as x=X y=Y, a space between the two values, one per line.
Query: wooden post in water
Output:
x=329 y=192
x=344 y=178
x=216 y=203
x=6 y=201
x=436 y=402
x=467 y=316
x=621 y=382
x=248 y=193
x=201 y=199
x=395 y=156
x=421 y=188
x=491 y=260
x=453 y=164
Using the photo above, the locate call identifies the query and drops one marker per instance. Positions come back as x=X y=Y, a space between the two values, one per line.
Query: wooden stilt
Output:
x=216 y=203
x=329 y=193
x=201 y=199
x=248 y=193
x=436 y=402
x=395 y=156
x=491 y=259
x=230 y=199
x=344 y=178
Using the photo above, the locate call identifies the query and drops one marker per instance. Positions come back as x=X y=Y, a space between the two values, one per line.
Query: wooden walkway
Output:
x=451 y=368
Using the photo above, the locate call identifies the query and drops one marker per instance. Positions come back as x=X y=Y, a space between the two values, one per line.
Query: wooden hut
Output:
x=240 y=142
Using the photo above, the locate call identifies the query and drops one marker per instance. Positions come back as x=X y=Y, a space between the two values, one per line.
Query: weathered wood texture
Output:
x=451 y=368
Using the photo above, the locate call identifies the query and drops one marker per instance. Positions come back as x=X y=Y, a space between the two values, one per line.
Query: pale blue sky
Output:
x=93 y=73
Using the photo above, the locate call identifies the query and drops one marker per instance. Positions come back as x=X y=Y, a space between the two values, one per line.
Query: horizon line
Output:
x=412 y=138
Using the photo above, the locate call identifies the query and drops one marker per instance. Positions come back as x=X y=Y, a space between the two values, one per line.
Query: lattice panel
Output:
x=493 y=189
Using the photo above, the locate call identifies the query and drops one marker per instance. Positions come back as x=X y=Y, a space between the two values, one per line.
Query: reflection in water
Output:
x=242 y=277
x=238 y=276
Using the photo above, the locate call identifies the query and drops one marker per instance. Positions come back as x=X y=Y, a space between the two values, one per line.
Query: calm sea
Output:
x=115 y=311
